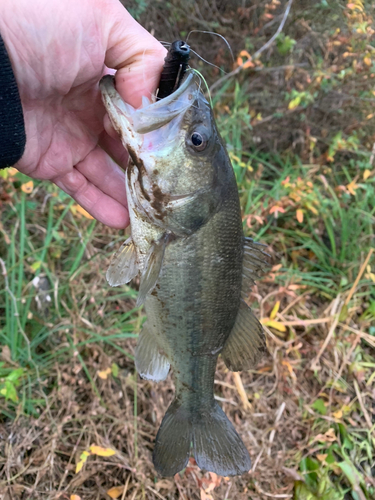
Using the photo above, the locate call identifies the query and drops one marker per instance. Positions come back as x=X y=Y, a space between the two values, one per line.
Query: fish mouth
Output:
x=131 y=123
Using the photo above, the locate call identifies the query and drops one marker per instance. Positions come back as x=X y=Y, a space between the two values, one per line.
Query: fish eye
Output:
x=198 y=141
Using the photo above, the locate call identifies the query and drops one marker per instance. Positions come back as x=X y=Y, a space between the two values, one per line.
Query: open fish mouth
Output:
x=132 y=124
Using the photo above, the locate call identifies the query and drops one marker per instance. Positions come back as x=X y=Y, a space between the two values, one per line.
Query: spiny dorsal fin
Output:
x=246 y=342
x=152 y=268
x=124 y=264
x=150 y=364
x=254 y=262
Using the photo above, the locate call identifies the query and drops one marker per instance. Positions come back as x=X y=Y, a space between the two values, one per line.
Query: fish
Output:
x=195 y=266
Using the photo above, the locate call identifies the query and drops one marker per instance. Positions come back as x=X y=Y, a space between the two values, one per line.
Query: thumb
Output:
x=137 y=56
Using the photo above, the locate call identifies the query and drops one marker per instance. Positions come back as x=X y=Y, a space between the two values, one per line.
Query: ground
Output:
x=76 y=421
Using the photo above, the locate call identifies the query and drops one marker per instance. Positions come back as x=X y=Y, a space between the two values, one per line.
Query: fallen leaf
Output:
x=276 y=208
x=351 y=187
x=78 y=209
x=6 y=354
x=290 y=369
x=12 y=171
x=321 y=456
x=337 y=414
x=273 y=324
x=366 y=174
x=102 y=452
x=84 y=456
x=116 y=491
x=328 y=436
x=204 y=496
x=104 y=373
x=27 y=187
x=79 y=466
x=299 y=215
x=275 y=310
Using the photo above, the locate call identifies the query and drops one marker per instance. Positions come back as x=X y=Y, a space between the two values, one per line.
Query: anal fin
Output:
x=246 y=342
x=150 y=364
x=124 y=264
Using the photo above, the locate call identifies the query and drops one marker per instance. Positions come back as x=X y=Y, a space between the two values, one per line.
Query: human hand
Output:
x=59 y=51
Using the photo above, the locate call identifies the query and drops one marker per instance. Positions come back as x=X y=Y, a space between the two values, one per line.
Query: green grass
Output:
x=36 y=339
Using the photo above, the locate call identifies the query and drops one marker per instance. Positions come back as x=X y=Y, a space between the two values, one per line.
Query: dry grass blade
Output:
x=337 y=305
x=359 y=276
x=371 y=425
x=241 y=391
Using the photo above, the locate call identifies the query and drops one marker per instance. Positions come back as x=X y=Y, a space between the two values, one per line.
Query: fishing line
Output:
x=168 y=44
x=212 y=33
x=204 y=81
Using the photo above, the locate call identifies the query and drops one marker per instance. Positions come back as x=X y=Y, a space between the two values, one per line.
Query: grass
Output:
x=67 y=377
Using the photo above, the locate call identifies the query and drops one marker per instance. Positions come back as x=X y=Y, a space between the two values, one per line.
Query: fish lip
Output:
x=160 y=113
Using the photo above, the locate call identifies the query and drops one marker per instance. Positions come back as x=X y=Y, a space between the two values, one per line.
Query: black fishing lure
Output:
x=175 y=66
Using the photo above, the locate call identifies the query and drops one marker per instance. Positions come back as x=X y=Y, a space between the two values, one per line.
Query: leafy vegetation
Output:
x=299 y=127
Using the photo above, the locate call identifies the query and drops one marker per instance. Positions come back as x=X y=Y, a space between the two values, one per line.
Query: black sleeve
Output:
x=12 y=126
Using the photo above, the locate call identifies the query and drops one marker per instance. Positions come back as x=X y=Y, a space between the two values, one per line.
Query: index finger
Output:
x=137 y=56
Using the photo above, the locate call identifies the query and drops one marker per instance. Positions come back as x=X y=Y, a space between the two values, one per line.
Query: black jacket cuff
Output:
x=12 y=126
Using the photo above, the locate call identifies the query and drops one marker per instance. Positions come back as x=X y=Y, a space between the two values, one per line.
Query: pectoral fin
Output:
x=152 y=268
x=254 y=261
x=124 y=264
x=246 y=342
x=150 y=364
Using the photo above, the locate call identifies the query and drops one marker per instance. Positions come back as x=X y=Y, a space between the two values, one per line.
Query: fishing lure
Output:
x=175 y=66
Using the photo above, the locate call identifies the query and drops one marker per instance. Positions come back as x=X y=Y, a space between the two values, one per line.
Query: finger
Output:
x=137 y=56
x=101 y=206
x=114 y=148
x=100 y=170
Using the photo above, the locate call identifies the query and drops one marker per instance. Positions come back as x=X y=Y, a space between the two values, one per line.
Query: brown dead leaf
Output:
x=327 y=437
x=116 y=491
x=6 y=355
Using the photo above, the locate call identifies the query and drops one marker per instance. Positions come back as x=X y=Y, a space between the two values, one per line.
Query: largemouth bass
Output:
x=187 y=245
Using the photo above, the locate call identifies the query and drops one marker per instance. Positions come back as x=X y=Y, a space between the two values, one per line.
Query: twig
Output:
x=125 y=488
x=258 y=52
x=314 y=363
x=306 y=322
x=365 y=336
x=241 y=390
x=259 y=490
x=372 y=157
x=279 y=413
x=361 y=271
x=360 y=400
x=155 y=492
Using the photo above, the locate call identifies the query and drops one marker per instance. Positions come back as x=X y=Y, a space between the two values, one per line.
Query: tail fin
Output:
x=215 y=444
